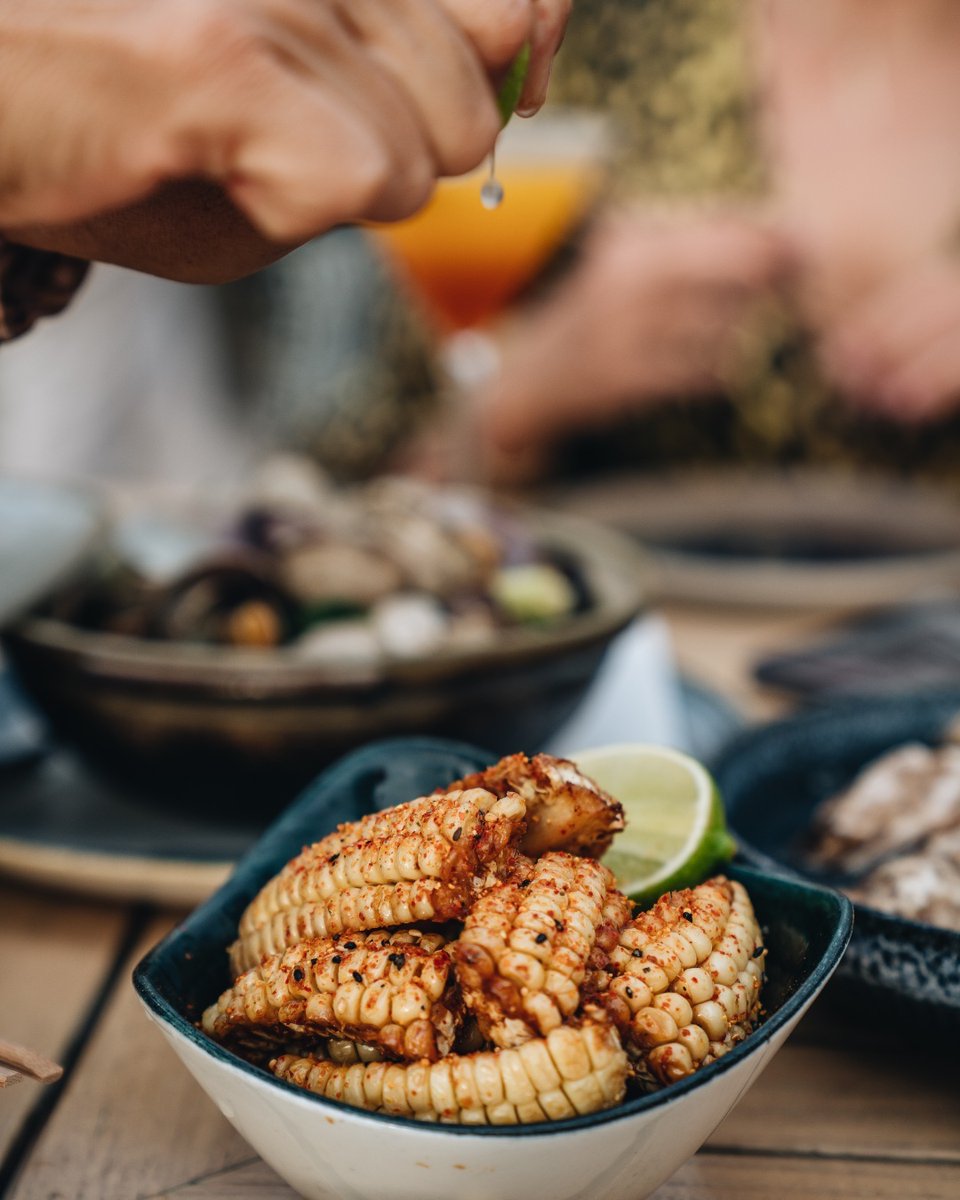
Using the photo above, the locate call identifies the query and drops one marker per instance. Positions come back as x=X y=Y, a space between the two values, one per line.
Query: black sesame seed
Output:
x=558 y=924
x=646 y=970
x=313 y=962
x=398 y=960
x=358 y=977
x=350 y=945
x=458 y=834
x=638 y=954
x=629 y=992
x=540 y=938
x=757 y=951
x=298 y=974
x=333 y=857
x=337 y=958
x=687 y=916
x=525 y=883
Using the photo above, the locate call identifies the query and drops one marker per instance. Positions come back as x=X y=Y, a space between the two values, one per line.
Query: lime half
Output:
x=509 y=95
x=676 y=833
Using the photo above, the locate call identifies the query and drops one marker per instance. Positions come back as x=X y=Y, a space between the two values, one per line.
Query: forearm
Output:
x=187 y=231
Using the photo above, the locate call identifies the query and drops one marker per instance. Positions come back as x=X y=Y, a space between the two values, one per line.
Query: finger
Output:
x=497 y=28
x=549 y=26
x=313 y=161
x=430 y=60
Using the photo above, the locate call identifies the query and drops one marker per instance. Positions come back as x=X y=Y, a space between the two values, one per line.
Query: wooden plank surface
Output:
x=55 y=952
x=842 y=1111
x=718 y=647
x=131 y=1121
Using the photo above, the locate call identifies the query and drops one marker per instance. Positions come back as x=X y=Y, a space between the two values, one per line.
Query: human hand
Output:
x=897 y=355
x=307 y=113
x=652 y=311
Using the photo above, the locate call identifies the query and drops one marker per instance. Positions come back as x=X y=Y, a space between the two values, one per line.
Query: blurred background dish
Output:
x=70 y=823
x=157 y=696
x=801 y=538
x=775 y=777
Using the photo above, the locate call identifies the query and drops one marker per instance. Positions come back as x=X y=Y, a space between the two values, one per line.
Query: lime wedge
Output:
x=509 y=95
x=676 y=834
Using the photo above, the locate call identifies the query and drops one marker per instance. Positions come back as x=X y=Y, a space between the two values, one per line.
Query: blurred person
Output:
x=860 y=114
x=867 y=181
x=200 y=139
x=853 y=162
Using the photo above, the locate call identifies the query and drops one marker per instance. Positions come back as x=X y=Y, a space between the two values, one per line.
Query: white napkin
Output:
x=635 y=696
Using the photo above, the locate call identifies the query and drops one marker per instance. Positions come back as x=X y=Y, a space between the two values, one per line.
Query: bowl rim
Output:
x=203 y=670
x=746 y=742
x=162 y=1009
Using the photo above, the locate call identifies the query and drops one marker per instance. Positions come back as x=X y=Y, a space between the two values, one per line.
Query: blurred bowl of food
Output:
x=238 y=655
x=865 y=797
x=532 y=1119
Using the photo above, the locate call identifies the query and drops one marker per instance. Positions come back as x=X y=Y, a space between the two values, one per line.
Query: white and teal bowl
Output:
x=325 y=1149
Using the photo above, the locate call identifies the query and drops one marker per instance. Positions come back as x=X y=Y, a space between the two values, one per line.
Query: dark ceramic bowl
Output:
x=322 y=1148
x=772 y=778
x=226 y=725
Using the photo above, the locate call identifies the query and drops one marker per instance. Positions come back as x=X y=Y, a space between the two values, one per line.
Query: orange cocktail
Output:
x=465 y=262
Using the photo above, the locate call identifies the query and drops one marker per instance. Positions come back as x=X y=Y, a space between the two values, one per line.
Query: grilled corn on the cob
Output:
x=398 y=993
x=684 y=981
x=572 y=1070
x=397 y=868
x=565 y=809
x=526 y=944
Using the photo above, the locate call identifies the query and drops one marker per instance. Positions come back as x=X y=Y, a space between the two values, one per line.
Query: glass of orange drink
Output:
x=465 y=263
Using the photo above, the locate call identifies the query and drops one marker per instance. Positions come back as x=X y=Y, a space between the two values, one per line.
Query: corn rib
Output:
x=573 y=1070
x=387 y=990
x=396 y=868
x=685 y=978
x=527 y=943
x=565 y=809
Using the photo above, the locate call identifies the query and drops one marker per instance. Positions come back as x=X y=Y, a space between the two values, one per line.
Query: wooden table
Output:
x=839 y=1113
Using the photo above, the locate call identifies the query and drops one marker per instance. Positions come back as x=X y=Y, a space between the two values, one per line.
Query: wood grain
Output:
x=761 y=1177
x=131 y=1122
x=55 y=953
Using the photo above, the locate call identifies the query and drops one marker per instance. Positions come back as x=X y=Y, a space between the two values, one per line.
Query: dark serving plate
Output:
x=773 y=777
x=248 y=728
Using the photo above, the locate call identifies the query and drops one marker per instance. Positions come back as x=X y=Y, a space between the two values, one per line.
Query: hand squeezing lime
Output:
x=676 y=834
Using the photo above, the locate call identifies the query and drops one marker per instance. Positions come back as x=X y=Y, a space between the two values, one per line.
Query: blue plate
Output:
x=806 y=927
x=772 y=778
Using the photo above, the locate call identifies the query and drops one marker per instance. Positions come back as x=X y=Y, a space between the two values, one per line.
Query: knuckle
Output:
x=507 y=25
